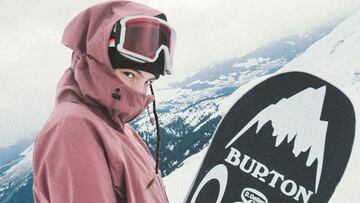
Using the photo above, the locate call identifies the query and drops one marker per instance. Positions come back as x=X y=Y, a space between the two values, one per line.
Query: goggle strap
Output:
x=132 y=58
x=117 y=32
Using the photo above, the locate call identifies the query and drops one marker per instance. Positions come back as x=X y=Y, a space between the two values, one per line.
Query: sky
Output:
x=33 y=58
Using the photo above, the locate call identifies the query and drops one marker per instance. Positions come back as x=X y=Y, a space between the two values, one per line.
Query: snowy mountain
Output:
x=16 y=179
x=334 y=58
x=11 y=152
x=270 y=57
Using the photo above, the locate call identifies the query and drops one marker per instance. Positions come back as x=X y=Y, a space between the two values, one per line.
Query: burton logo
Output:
x=309 y=133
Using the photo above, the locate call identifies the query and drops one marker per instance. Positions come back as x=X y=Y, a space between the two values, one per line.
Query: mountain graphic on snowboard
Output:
x=288 y=139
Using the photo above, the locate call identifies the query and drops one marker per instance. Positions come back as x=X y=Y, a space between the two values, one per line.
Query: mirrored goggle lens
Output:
x=145 y=36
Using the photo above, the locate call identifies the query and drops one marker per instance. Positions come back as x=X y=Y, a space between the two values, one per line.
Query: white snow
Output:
x=18 y=172
x=334 y=58
x=262 y=60
x=248 y=64
x=290 y=43
x=179 y=182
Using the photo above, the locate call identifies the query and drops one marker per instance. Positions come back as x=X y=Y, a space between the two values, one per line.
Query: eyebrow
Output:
x=137 y=71
x=154 y=78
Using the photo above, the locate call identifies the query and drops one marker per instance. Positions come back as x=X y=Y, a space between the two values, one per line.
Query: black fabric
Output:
x=161 y=16
x=119 y=61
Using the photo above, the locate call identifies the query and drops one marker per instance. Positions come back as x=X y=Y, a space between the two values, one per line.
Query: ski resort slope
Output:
x=336 y=59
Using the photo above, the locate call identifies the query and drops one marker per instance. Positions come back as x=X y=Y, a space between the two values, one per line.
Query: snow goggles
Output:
x=142 y=38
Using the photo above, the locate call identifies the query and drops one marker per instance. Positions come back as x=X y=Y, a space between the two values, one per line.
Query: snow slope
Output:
x=335 y=58
x=17 y=175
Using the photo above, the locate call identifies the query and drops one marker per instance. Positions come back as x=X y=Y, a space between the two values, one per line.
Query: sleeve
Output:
x=70 y=165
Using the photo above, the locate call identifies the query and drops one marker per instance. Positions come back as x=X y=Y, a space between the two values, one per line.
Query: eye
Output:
x=129 y=75
x=149 y=82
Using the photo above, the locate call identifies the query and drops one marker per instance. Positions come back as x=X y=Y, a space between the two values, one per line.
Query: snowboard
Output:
x=287 y=140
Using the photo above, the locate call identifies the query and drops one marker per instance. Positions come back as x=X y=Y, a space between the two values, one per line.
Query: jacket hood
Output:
x=91 y=77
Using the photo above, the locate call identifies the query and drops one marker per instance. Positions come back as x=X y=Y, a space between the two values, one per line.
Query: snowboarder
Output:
x=86 y=150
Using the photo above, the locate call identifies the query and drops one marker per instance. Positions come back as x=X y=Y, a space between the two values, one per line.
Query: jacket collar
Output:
x=120 y=103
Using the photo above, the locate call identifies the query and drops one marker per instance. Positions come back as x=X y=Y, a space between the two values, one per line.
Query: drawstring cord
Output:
x=116 y=95
x=152 y=120
x=157 y=141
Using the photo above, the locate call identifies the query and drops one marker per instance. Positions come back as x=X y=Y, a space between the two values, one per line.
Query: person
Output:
x=87 y=151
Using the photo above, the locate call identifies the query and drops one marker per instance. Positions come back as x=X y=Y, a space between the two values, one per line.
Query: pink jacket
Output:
x=87 y=152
